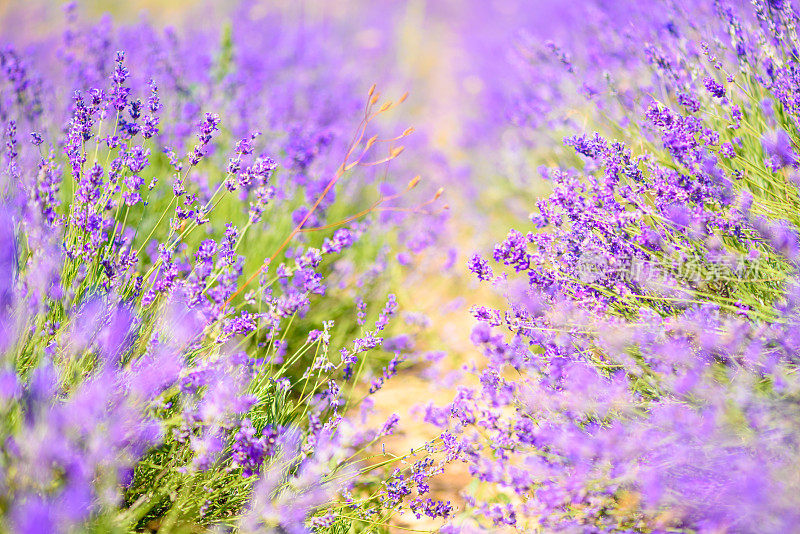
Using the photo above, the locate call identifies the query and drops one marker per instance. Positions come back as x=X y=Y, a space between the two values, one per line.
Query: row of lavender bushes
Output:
x=643 y=375
x=195 y=234
x=198 y=232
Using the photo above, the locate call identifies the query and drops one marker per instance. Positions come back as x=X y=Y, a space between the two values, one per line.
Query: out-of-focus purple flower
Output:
x=778 y=150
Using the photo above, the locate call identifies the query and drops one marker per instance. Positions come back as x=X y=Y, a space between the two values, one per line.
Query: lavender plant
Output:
x=642 y=376
x=176 y=347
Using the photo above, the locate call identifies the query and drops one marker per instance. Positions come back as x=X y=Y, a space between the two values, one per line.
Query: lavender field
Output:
x=457 y=266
